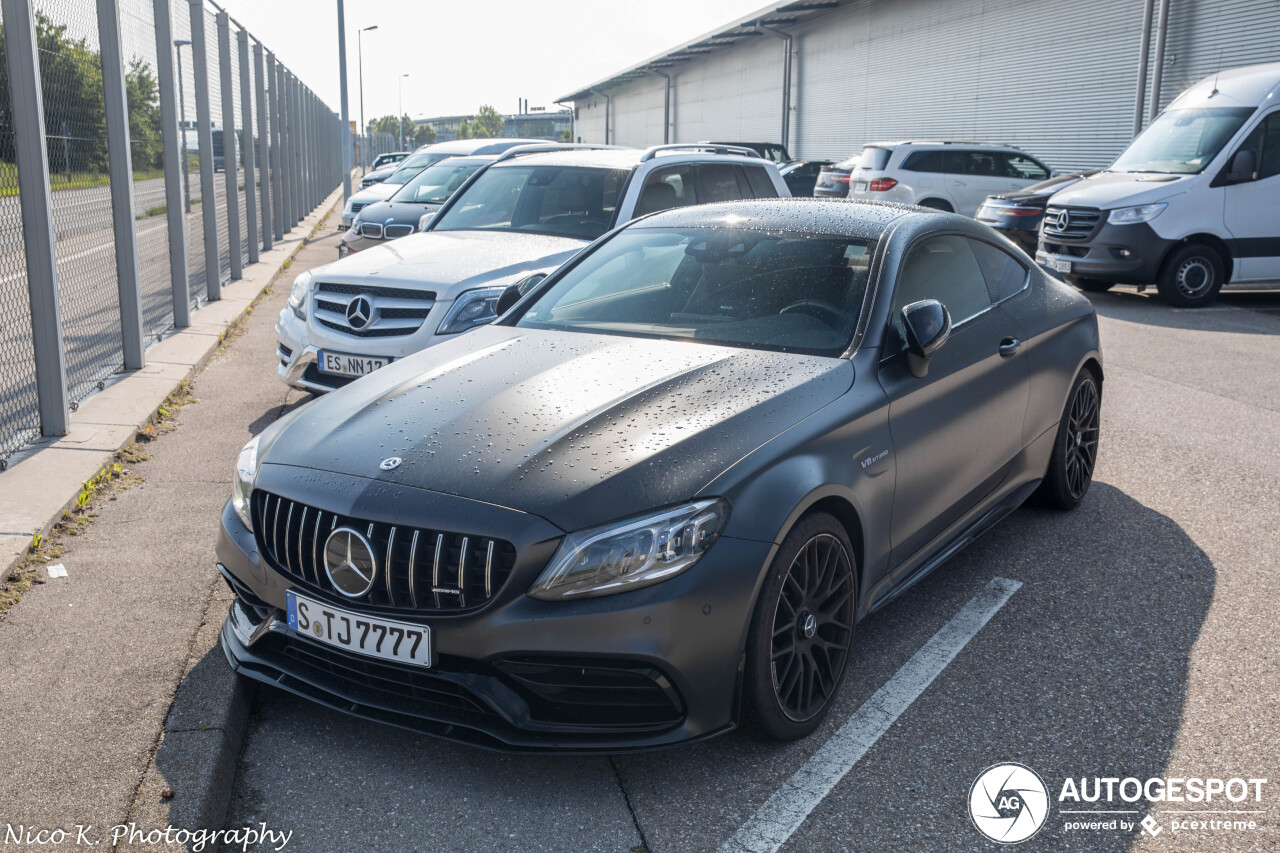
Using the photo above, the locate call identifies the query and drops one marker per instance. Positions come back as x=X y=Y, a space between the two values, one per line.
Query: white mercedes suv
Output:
x=518 y=218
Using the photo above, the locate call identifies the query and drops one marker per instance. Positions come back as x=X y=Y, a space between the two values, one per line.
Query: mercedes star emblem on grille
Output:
x=359 y=312
x=349 y=562
x=1064 y=219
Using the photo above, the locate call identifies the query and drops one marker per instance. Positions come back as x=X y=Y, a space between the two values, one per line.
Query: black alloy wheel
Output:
x=1075 y=449
x=802 y=632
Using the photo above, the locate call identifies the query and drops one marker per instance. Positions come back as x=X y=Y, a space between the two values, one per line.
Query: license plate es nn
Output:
x=343 y=364
x=371 y=636
x=859 y=186
x=1059 y=266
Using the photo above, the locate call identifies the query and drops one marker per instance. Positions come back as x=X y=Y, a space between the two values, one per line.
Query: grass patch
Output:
x=59 y=181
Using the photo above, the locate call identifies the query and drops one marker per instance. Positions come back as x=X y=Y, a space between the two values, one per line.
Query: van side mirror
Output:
x=927 y=325
x=512 y=294
x=1244 y=167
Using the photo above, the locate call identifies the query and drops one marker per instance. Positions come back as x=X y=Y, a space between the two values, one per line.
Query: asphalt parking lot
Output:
x=1134 y=637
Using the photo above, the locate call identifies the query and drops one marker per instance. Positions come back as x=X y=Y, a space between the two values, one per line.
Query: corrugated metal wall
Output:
x=1058 y=79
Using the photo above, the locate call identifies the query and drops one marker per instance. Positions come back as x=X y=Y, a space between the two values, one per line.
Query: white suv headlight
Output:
x=471 y=309
x=1130 y=215
x=242 y=482
x=298 y=295
x=633 y=553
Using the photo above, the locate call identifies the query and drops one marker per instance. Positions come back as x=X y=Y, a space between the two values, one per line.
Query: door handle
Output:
x=1009 y=347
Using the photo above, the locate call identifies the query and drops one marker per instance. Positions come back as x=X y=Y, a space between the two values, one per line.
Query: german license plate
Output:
x=859 y=186
x=1059 y=266
x=343 y=364
x=355 y=632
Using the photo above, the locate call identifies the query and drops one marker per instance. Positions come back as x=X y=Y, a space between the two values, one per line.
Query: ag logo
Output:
x=1008 y=803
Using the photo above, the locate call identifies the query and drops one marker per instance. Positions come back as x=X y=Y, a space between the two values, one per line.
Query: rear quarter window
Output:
x=924 y=161
x=1005 y=274
x=719 y=182
x=758 y=179
x=874 y=159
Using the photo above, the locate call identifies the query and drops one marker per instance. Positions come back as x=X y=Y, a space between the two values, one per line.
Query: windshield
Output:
x=565 y=201
x=1182 y=142
x=780 y=291
x=434 y=184
x=411 y=166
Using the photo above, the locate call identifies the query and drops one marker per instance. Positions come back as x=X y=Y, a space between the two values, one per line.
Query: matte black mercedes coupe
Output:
x=657 y=495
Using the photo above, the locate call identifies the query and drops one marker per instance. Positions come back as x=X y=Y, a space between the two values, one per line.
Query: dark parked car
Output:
x=402 y=214
x=772 y=151
x=802 y=175
x=666 y=484
x=389 y=159
x=833 y=180
x=1017 y=215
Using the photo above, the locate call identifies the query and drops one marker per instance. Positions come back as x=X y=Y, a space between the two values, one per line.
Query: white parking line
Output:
x=781 y=815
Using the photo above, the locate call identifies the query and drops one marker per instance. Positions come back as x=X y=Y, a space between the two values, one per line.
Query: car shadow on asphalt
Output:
x=1082 y=673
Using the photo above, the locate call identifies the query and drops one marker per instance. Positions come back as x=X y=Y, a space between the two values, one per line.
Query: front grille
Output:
x=396 y=231
x=1081 y=222
x=418 y=570
x=371 y=230
x=356 y=207
x=397 y=311
x=370 y=332
x=585 y=692
x=386 y=292
x=1064 y=249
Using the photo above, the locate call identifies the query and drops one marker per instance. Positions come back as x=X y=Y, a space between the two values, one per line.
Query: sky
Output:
x=459 y=55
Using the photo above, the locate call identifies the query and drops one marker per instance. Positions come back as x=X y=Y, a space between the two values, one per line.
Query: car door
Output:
x=719 y=182
x=1252 y=208
x=957 y=429
x=972 y=175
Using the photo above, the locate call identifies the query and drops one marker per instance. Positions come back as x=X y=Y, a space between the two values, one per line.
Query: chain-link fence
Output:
x=164 y=97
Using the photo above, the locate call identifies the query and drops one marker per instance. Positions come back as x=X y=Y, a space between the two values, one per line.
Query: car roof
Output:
x=625 y=158
x=941 y=143
x=820 y=217
x=477 y=146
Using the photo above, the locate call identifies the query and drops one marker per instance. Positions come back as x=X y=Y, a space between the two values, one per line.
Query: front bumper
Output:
x=640 y=670
x=1124 y=254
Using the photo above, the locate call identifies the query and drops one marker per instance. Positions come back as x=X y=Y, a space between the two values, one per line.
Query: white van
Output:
x=1192 y=204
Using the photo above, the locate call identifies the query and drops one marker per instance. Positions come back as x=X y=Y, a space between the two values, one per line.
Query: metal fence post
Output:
x=264 y=144
x=295 y=135
x=246 y=119
x=172 y=156
x=37 y=215
x=230 y=148
x=120 y=174
x=286 y=147
x=204 y=132
x=277 y=177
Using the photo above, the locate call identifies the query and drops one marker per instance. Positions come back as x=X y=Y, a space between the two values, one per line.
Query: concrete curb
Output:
x=44 y=479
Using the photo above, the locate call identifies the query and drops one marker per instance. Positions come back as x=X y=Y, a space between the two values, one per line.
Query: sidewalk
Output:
x=90 y=664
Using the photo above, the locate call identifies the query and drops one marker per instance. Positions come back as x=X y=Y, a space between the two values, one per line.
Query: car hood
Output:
x=397 y=212
x=577 y=428
x=1109 y=190
x=451 y=261
x=375 y=193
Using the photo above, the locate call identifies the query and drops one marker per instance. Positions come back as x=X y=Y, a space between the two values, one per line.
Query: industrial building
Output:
x=532 y=124
x=1069 y=82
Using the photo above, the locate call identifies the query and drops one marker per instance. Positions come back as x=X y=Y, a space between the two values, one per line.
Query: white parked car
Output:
x=519 y=218
x=954 y=176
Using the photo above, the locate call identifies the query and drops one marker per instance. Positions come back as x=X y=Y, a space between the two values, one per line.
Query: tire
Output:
x=937 y=204
x=1075 y=447
x=1093 y=285
x=795 y=667
x=1191 y=276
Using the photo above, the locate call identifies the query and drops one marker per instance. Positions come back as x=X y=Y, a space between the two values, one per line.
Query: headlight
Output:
x=471 y=309
x=1130 y=215
x=242 y=482
x=298 y=296
x=632 y=554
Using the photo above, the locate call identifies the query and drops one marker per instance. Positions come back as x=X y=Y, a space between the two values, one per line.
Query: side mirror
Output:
x=1244 y=167
x=927 y=324
x=512 y=294
x=425 y=220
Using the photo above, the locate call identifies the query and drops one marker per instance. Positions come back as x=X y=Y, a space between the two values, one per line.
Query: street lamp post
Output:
x=364 y=130
x=400 y=141
x=179 y=44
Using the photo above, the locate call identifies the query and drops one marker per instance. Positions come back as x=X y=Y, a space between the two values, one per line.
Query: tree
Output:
x=464 y=129
x=566 y=136
x=423 y=134
x=487 y=123
x=143 y=97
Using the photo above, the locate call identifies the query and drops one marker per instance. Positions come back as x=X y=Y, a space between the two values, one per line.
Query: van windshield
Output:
x=1182 y=142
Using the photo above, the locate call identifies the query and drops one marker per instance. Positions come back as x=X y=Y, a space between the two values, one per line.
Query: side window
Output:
x=719 y=183
x=925 y=161
x=673 y=186
x=1023 y=167
x=1005 y=274
x=761 y=186
x=1264 y=142
x=942 y=268
x=979 y=164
